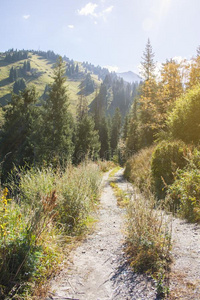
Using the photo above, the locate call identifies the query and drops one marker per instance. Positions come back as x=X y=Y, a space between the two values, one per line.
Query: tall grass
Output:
x=50 y=205
x=138 y=170
x=149 y=237
x=148 y=226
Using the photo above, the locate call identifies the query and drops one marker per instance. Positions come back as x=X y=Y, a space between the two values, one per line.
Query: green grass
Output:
x=39 y=216
x=45 y=67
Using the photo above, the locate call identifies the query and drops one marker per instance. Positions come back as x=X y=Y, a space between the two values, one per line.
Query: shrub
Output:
x=166 y=159
x=184 y=121
x=184 y=194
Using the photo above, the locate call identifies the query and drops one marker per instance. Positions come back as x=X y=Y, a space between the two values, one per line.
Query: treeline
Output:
x=101 y=72
x=15 y=73
x=115 y=92
x=32 y=134
x=50 y=55
x=15 y=55
x=165 y=117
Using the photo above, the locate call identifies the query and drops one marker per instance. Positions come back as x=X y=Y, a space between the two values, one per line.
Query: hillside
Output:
x=41 y=75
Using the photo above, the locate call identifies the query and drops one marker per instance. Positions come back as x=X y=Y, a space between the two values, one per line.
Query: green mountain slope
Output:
x=41 y=75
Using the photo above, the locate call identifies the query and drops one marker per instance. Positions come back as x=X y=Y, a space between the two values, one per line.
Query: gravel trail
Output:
x=98 y=268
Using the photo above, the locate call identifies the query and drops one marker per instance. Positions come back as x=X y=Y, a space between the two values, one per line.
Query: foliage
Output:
x=148 y=64
x=19 y=85
x=57 y=133
x=17 y=134
x=194 y=71
x=184 y=122
x=87 y=139
x=13 y=74
x=49 y=205
x=138 y=170
x=1 y=118
x=115 y=130
x=166 y=159
x=184 y=194
x=12 y=56
x=27 y=248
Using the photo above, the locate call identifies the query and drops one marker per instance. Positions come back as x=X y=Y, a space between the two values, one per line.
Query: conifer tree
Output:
x=19 y=85
x=148 y=97
x=115 y=130
x=16 y=141
x=58 y=120
x=132 y=136
x=87 y=138
x=104 y=136
x=82 y=107
x=148 y=64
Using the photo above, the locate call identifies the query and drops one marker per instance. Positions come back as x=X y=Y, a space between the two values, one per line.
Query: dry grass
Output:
x=138 y=170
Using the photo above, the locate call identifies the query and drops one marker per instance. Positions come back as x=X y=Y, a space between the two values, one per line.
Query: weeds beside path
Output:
x=98 y=268
x=184 y=278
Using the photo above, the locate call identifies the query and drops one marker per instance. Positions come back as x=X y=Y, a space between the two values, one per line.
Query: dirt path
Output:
x=185 y=269
x=99 y=269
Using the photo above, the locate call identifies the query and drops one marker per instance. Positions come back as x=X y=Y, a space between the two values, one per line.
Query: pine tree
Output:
x=82 y=107
x=17 y=133
x=19 y=85
x=104 y=137
x=115 y=130
x=148 y=64
x=87 y=139
x=132 y=135
x=58 y=120
x=148 y=97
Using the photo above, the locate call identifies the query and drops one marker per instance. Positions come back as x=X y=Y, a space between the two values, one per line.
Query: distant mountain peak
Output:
x=130 y=77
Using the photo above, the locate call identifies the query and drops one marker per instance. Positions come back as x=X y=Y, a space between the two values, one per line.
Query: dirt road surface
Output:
x=98 y=269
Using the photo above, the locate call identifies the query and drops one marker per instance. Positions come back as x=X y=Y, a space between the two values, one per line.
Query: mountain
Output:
x=36 y=68
x=130 y=77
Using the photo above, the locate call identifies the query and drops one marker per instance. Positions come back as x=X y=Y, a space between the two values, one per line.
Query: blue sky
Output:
x=103 y=32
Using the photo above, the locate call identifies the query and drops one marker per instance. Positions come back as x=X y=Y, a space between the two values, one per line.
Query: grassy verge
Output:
x=148 y=240
x=41 y=212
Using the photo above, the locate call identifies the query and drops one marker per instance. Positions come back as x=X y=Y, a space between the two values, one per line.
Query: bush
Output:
x=166 y=159
x=184 y=121
x=138 y=170
x=184 y=194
